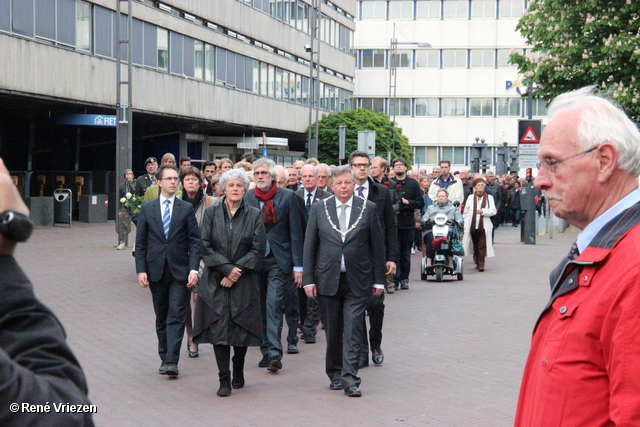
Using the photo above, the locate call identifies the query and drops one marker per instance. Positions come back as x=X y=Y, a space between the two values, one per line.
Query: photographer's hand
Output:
x=10 y=200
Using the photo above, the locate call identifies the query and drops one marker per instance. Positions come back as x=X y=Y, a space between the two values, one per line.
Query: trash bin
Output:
x=62 y=206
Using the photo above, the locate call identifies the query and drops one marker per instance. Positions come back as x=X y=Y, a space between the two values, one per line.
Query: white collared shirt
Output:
x=163 y=207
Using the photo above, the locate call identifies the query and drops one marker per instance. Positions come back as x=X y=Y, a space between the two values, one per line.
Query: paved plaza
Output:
x=454 y=351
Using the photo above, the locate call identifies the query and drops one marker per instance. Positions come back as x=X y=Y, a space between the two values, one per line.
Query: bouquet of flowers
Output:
x=132 y=203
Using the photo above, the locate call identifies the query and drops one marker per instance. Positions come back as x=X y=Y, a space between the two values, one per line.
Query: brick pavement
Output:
x=454 y=351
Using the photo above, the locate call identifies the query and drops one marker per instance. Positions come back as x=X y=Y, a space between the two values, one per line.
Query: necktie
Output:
x=166 y=218
x=308 y=206
x=360 y=193
x=343 y=218
x=574 y=252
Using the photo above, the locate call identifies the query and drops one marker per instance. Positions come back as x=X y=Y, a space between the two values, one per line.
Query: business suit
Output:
x=309 y=309
x=285 y=240
x=343 y=295
x=168 y=262
x=381 y=196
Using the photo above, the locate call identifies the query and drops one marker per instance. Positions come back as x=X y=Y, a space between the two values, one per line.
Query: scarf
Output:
x=195 y=201
x=484 y=199
x=268 y=212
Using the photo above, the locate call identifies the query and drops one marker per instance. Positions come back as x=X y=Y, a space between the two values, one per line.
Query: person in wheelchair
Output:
x=442 y=205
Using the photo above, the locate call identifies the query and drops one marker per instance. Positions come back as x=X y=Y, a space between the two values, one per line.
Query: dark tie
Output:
x=166 y=218
x=308 y=206
x=360 y=193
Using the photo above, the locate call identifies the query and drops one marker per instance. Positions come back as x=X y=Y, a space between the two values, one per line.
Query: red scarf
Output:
x=268 y=212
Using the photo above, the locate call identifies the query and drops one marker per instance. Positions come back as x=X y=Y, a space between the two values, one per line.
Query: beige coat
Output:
x=487 y=213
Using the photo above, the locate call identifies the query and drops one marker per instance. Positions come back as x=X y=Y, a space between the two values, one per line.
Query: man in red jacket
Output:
x=585 y=352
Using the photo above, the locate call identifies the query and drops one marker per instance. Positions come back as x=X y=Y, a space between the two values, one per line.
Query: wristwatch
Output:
x=15 y=226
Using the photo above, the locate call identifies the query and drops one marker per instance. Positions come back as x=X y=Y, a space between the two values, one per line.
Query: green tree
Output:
x=581 y=43
x=356 y=120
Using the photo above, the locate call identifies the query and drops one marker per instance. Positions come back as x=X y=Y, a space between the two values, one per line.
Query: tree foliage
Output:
x=357 y=120
x=583 y=42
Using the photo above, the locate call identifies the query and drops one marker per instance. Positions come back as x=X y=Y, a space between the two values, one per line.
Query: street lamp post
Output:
x=314 y=82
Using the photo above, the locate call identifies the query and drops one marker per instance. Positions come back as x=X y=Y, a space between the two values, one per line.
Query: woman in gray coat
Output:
x=443 y=205
x=228 y=307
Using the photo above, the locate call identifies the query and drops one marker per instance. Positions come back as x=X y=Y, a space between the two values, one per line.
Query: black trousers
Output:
x=375 y=308
x=170 y=298
x=344 y=328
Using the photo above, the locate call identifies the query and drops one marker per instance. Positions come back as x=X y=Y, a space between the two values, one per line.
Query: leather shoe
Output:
x=264 y=363
x=352 y=391
x=274 y=365
x=309 y=340
x=163 y=369
x=376 y=356
x=335 y=385
x=390 y=288
x=172 y=370
x=292 y=349
x=404 y=284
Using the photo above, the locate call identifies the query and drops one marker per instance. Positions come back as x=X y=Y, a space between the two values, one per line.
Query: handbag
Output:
x=456 y=247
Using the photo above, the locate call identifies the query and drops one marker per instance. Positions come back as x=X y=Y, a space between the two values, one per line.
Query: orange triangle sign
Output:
x=529 y=136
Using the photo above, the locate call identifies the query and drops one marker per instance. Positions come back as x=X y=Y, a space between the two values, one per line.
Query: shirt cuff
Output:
x=193 y=271
x=310 y=284
x=297 y=269
x=378 y=286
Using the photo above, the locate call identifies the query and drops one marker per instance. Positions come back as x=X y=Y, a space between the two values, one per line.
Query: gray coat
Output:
x=448 y=209
x=230 y=316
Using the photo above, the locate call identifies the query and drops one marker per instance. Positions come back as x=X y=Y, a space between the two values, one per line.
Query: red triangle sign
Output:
x=529 y=136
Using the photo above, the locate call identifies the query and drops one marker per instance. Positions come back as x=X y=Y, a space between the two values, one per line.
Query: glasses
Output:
x=170 y=179
x=360 y=165
x=260 y=173
x=550 y=164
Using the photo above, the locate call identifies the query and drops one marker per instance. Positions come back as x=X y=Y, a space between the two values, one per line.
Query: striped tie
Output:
x=166 y=218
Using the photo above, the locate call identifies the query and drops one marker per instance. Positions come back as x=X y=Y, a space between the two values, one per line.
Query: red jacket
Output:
x=584 y=364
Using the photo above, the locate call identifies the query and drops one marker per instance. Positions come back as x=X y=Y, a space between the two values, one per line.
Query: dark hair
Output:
x=401 y=160
x=191 y=170
x=162 y=168
x=207 y=164
x=185 y=159
x=448 y=162
x=357 y=153
x=248 y=157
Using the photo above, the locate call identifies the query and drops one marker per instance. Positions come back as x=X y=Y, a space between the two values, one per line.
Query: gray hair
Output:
x=341 y=170
x=323 y=165
x=232 y=174
x=271 y=167
x=602 y=121
x=308 y=165
x=286 y=172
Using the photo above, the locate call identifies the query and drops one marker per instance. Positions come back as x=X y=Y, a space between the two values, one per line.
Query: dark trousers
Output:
x=310 y=326
x=302 y=304
x=170 y=297
x=344 y=328
x=375 y=308
x=479 y=239
x=405 y=240
x=273 y=283
x=291 y=310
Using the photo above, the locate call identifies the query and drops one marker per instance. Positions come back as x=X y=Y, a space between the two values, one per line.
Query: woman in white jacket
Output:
x=478 y=211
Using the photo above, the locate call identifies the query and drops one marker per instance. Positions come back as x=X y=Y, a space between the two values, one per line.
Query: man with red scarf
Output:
x=284 y=217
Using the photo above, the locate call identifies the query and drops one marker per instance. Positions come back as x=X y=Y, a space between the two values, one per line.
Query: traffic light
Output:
x=528 y=175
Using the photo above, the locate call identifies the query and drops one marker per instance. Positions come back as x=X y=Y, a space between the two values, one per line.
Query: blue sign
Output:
x=87 y=120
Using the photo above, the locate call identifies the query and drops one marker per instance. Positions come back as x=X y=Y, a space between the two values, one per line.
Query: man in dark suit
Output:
x=167 y=261
x=209 y=170
x=309 y=310
x=148 y=179
x=284 y=219
x=380 y=195
x=343 y=265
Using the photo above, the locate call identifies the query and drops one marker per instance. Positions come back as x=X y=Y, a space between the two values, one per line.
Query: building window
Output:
x=374 y=104
x=279 y=79
x=428 y=9
x=427 y=107
x=481 y=107
x=373 y=58
x=209 y=62
x=402 y=9
x=404 y=58
x=482 y=58
x=503 y=57
x=264 y=81
x=456 y=9
x=510 y=8
x=163 y=49
x=374 y=9
x=454 y=107
x=83 y=26
x=509 y=107
x=454 y=154
x=428 y=58
x=255 y=76
x=271 y=79
x=298 y=90
x=454 y=58
x=483 y=9
x=198 y=56
x=539 y=107
x=426 y=155
x=403 y=109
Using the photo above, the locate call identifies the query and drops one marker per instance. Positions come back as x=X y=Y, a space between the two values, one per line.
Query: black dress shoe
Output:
x=335 y=385
x=376 y=356
x=163 y=369
x=274 y=365
x=172 y=370
x=309 y=340
x=353 y=391
x=292 y=349
x=264 y=363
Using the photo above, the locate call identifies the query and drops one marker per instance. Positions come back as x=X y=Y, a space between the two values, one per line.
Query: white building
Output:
x=456 y=90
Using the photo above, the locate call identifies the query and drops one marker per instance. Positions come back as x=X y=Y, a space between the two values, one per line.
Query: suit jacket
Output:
x=320 y=194
x=142 y=183
x=286 y=236
x=324 y=248
x=381 y=196
x=181 y=249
